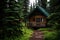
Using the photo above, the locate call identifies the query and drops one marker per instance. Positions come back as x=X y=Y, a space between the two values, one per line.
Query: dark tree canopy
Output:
x=55 y=5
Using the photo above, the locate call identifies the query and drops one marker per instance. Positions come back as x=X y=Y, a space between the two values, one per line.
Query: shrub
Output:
x=49 y=35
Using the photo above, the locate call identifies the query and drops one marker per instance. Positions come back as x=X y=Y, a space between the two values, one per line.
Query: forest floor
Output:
x=43 y=34
x=37 y=35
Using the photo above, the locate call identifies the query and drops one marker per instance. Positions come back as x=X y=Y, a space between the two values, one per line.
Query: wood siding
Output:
x=32 y=20
x=33 y=23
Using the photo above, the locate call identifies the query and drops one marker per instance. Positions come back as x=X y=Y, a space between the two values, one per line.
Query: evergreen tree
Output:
x=34 y=5
x=54 y=23
x=53 y=20
x=11 y=13
x=42 y=3
x=25 y=8
x=55 y=6
x=31 y=8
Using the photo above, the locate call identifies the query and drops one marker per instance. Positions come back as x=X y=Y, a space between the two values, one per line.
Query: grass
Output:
x=46 y=29
x=49 y=34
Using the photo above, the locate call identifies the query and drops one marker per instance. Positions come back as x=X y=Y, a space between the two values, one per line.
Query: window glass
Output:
x=39 y=20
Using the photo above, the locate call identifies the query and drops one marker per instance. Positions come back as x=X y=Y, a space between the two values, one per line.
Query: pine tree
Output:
x=55 y=6
x=42 y=3
x=34 y=5
x=31 y=8
x=11 y=13
x=25 y=8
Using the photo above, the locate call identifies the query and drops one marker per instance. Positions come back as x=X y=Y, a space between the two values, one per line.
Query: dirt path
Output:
x=37 y=35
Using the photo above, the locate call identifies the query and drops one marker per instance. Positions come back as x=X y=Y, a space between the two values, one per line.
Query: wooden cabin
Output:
x=37 y=18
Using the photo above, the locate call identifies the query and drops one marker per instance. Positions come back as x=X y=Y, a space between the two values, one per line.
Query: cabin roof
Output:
x=41 y=10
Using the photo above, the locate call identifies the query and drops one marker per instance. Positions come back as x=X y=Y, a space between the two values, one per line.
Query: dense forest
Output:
x=12 y=19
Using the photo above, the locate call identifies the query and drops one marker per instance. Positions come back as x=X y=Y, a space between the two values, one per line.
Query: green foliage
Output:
x=25 y=8
x=53 y=20
x=26 y=32
x=45 y=29
x=49 y=35
x=54 y=6
x=11 y=13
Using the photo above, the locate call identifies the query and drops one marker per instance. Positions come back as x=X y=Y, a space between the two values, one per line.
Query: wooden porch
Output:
x=36 y=24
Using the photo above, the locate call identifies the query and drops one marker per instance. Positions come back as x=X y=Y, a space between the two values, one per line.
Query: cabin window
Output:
x=39 y=19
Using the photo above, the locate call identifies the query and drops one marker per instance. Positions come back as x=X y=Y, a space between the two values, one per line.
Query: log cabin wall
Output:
x=34 y=23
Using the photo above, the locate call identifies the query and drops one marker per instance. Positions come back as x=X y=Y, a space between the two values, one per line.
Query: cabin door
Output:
x=38 y=21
